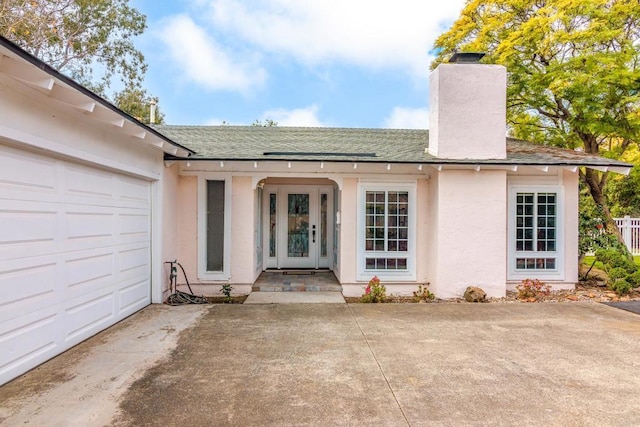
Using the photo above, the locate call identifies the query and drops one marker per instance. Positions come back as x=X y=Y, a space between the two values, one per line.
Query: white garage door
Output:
x=74 y=255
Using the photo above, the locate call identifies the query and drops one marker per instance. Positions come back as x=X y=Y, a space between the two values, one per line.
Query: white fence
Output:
x=630 y=229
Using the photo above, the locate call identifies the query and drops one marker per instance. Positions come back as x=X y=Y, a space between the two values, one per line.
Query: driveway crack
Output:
x=379 y=365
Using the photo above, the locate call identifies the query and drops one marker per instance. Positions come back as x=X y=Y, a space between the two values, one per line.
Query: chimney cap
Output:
x=466 y=57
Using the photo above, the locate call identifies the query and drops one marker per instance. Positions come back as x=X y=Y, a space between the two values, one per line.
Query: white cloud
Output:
x=201 y=59
x=303 y=117
x=377 y=34
x=408 y=118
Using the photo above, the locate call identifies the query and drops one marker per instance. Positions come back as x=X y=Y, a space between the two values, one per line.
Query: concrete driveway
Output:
x=345 y=364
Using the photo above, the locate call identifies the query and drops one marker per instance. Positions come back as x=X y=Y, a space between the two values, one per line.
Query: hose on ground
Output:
x=180 y=298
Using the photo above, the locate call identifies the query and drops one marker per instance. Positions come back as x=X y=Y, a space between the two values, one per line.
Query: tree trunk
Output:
x=596 y=186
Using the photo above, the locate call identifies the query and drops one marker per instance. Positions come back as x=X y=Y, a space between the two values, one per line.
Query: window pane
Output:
x=323 y=224
x=215 y=225
x=298 y=226
x=272 y=225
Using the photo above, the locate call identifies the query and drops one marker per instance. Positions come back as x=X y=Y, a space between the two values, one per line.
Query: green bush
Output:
x=617 y=273
x=621 y=286
x=374 y=292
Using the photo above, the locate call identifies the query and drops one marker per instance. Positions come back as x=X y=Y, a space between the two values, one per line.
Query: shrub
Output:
x=374 y=292
x=617 y=273
x=621 y=286
x=532 y=288
x=423 y=294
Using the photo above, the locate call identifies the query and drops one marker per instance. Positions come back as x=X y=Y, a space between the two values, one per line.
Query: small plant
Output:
x=622 y=271
x=374 y=292
x=226 y=291
x=423 y=294
x=531 y=289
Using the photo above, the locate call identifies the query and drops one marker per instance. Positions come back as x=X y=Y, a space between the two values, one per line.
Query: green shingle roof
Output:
x=351 y=145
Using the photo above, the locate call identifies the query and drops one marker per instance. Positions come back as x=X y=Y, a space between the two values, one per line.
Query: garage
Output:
x=83 y=227
x=75 y=254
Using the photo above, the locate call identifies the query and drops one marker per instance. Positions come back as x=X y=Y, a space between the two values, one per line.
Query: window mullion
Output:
x=386 y=221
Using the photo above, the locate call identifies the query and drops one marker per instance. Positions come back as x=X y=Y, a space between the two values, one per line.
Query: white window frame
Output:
x=390 y=275
x=556 y=274
x=203 y=274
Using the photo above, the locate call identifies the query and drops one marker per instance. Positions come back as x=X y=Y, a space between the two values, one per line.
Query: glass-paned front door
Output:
x=298 y=226
x=299 y=222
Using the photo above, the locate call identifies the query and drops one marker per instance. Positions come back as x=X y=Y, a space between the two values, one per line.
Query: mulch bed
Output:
x=584 y=291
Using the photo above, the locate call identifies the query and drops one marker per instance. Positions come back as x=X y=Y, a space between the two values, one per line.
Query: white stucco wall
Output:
x=242 y=232
x=348 y=227
x=470 y=248
x=467 y=107
x=571 y=197
x=170 y=215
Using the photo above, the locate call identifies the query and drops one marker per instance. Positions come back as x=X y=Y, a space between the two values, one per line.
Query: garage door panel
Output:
x=90 y=224
x=27 y=342
x=89 y=182
x=26 y=171
x=89 y=271
x=88 y=316
x=133 y=190
x=75 y=255
x=27 y=285
x=134 y=223
x=26 y=226
x=133 y=297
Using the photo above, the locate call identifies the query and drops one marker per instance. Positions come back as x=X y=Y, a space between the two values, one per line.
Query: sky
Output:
x=336 y=63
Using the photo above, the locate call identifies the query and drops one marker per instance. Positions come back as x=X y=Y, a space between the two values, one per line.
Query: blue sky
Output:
x=343 y=63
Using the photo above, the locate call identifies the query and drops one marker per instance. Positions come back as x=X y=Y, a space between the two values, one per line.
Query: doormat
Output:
x=300 y=272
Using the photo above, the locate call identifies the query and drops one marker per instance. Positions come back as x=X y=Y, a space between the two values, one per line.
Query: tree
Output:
x=574 y=72
x=268 y=123
x=138 y=103
x=89 y=40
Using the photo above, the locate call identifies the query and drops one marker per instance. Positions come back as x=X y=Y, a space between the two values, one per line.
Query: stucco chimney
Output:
x=467 y=104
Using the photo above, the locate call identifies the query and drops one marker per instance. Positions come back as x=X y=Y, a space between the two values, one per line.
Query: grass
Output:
x=588 y=260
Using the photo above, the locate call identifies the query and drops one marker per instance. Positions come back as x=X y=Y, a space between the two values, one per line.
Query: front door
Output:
x=298 y=220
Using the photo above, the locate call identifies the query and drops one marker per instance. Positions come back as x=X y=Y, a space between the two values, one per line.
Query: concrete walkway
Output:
x=345 y=364
x=295 y=298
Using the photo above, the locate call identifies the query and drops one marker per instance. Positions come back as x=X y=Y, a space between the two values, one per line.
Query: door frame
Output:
x=280 y=261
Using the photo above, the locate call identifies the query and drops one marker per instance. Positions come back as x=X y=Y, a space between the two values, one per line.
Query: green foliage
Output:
x=623 y=194
x=574 y=68
x=374 y=292
x=532 y=288
x=80 y=37
x=268 y=123
x=76 y=35
x=621 y=286
x=423 y=294
x=622 y=272
x=137 y=103
x=226 y=291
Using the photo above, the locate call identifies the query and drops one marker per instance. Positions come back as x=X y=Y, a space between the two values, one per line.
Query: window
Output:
x=214 y=225
x=534 y=232
x=387 y=224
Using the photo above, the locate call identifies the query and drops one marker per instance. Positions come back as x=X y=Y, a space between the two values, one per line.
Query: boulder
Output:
x=475 y=294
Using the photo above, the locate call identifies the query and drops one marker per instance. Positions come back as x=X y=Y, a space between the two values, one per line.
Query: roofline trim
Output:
x=4 y=42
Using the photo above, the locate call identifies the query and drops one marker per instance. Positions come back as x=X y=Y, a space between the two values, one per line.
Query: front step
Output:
x=296 y=287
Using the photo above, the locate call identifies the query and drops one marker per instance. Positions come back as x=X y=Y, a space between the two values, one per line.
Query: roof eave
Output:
x=70 y=92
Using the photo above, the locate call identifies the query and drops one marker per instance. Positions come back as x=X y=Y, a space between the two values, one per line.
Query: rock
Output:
x=572 y=297
x=475 y=294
